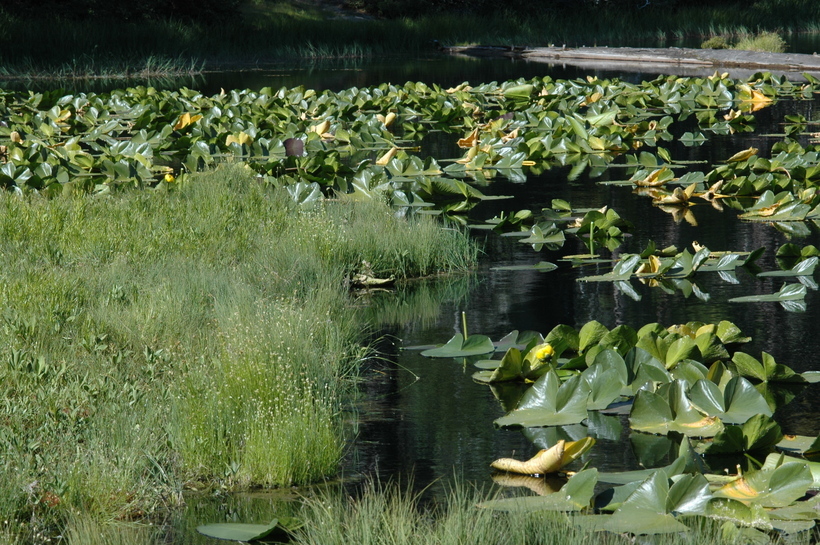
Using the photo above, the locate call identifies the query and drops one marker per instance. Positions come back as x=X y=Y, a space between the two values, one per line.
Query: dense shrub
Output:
x=716 y=42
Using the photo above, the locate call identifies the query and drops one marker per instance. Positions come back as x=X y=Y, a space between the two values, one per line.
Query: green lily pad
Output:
x=774 y=461
x=757 y=433
x=542 y=266
x=549 y=403
x=770 y=486
x=575 y=495
x=234 y=531
x=738 y=402
x=458 y=347
x=804 y=268
x=765 y=370
x=789 y=292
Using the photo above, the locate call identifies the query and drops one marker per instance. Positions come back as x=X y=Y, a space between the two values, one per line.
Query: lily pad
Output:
x=789 y=292
x=549 y=403
x=758 y=433
x=234 y=531
x=459 y=347
x=573 y=496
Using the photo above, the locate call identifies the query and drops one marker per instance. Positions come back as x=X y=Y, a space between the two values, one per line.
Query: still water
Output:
x=428 y=417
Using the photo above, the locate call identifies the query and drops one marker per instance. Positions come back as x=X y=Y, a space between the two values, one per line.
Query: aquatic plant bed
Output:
x=690 y=381
x=145 y=290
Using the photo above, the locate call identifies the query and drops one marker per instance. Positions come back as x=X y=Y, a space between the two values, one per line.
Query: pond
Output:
x=426 y=419
x=428 y=416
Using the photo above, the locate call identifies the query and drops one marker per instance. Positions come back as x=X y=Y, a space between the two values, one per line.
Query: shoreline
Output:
x=672 y=60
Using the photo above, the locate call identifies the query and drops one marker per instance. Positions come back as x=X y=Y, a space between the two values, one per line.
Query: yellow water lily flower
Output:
x=545 y=352
x=169 y=178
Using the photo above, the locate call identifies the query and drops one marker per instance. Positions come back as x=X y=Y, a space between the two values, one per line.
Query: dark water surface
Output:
x=428 y=417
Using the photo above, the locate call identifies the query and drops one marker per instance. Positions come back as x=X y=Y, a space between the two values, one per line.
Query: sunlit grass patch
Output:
x=765 y=41
x=203 y=336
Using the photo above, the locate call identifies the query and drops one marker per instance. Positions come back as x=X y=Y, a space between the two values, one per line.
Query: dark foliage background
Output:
x=415 y=8
x=128 y=10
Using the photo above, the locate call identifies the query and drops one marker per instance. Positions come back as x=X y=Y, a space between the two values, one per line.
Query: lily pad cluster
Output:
x=548 y=228
x=672 y=271
x=782 y=188
x=688 y=381
x=359 y=142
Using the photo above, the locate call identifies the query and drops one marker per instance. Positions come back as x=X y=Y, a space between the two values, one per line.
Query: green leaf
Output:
x=591 y=334
x=738 y=402
x=511 y=368
x=766 y=371
x=758 y=433
x=789 y=292
x=774 y=461
x=457 y=347
x=803 y=268
x=549 y=403
x=519 y=92
x=234 y=531
x=670 y=409
x=770 y=487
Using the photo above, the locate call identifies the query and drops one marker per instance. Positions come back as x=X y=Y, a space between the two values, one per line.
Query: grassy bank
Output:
x=274 y=31
x=199 y=338
x=388 y=515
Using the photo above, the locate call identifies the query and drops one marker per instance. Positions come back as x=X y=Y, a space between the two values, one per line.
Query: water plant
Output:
x=661 y=374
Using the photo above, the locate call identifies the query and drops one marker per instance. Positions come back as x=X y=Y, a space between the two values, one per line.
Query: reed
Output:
x=387 y=514
x=201 y=337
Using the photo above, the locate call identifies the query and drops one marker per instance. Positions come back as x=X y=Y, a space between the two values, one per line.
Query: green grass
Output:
x=390 y=515
x=765 y=41
x=200 y=337
x=770 y=42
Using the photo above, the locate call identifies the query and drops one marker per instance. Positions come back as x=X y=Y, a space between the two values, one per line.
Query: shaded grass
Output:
x=198 y=337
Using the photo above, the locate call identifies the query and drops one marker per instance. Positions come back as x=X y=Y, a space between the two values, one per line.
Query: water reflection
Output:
x=440 y=422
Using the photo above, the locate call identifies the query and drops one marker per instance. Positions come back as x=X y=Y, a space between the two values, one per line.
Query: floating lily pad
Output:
x=458 y=347
x=789 y=292
x=234 y=531
x=542 y=266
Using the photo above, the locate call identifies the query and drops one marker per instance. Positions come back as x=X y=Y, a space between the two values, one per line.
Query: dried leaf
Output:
x=652 y=179
x=546 y=461
x=320 y=128
x=591 y=99
x=185 y=120
x=241 y=138
x=470 y=140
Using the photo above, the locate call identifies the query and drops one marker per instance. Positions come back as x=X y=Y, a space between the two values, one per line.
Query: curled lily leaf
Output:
x=548 y=460
x=470 y=140
x=678 y=196
x=655 y=178
x=384 y=159
x=742 y=155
